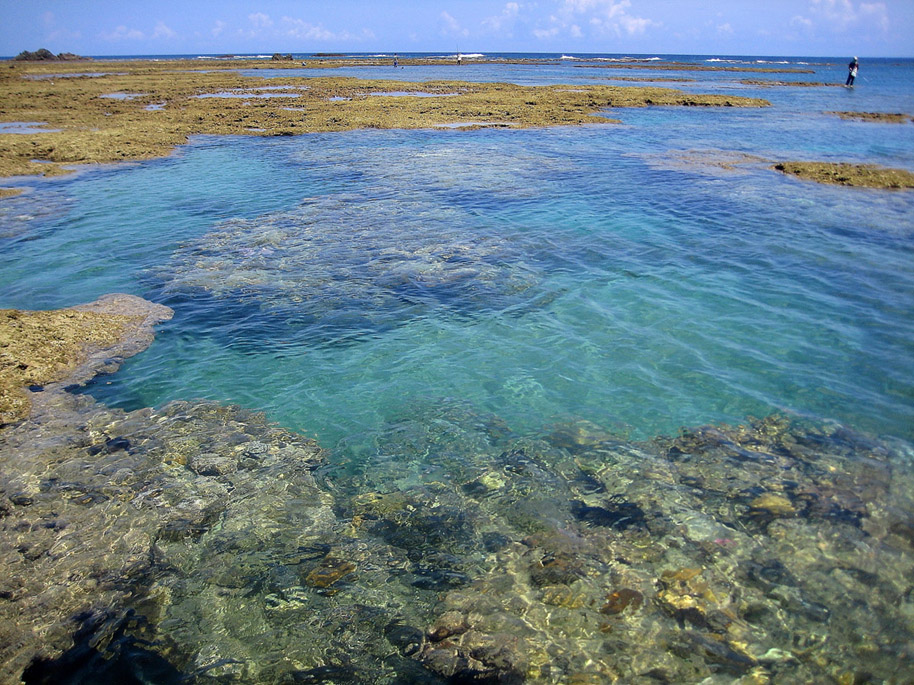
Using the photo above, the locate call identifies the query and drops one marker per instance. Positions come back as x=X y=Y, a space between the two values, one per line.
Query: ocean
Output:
x=478 y=322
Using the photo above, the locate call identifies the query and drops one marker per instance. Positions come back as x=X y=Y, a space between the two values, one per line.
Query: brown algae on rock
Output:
x=840 y=173
x=773 y=504
x=328 y=572
x=41 y=347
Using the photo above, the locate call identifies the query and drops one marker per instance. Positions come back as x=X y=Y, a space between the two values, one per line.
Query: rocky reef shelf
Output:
x=98 y=129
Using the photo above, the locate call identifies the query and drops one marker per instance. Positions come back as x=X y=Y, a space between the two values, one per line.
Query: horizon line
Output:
x=263 y=53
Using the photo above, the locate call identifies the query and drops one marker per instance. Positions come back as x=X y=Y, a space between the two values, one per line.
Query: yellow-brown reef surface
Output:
x=42 y=347
x=157 y=105
x=862 y=175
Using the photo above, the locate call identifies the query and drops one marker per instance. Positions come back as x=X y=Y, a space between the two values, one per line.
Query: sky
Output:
x=834 y=28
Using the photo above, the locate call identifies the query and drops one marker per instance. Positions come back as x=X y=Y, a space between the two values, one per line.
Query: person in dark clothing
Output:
x=851 y=72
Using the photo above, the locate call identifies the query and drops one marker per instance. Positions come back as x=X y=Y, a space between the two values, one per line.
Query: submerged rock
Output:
x=215 y=547
x=330 y=267
x=328 y=572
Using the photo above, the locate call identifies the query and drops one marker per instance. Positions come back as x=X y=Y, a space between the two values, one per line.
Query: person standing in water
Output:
x=851 y=72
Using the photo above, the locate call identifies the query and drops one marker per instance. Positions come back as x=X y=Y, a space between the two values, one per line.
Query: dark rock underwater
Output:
x=199 y=543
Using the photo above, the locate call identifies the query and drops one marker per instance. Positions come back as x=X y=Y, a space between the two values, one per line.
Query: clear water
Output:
x=614 y=273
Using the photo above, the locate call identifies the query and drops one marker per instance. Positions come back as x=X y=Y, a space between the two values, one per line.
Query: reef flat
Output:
x=126 y=110
x=199 y=542
x=837 y=173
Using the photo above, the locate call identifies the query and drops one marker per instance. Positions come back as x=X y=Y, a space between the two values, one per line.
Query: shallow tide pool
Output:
x=616 y=273
x=490 y=332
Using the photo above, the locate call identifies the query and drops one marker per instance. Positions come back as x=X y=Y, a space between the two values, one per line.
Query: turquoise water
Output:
x=616 y=273
x=483 y=327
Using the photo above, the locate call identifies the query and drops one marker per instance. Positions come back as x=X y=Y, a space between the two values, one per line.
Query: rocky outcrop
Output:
x=45 y=55
x=844 y=174
x=43 y=351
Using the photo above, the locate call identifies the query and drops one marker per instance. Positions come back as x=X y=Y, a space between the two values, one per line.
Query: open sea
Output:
x=613 y=285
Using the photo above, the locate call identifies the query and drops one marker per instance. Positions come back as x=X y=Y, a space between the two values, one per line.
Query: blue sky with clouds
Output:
x=735 y=27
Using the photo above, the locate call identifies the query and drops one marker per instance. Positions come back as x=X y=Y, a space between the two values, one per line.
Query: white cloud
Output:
x=725 y=29
x=162 y=31
x=218 y=28
x=303 y=30
x=546 y=33
x=635 y=25
x=123 y=33
x=504 y=20
x=260 y=20
x=452 y=26
x=877 y=11
x=53 y=34
x=844 y=14
x=801 y=22
x=605 y=17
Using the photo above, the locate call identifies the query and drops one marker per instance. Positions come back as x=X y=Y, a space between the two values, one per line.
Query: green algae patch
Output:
x=860 y=175
x=176 y=99
x=882 y=117
x=42 y=347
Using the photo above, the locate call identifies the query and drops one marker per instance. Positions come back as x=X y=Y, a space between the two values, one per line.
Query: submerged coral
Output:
x=199 y=542
x=335 y=270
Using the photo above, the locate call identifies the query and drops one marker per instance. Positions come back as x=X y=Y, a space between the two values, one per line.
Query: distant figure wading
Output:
x=851 y=72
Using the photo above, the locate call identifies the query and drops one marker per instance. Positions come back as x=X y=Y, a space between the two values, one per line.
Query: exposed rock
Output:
x=43 y=348
x=884 y=117
x=44 y=55
x=836 y=173
x=798 y=84
x=128 y=131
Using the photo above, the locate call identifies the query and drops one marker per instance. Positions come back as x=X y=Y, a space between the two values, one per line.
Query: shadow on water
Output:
x=105 y=652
